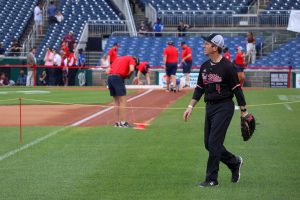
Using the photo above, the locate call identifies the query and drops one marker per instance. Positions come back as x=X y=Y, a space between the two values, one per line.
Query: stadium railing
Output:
x=124 y=6
x=150 y=13
x=96 y=27
x=30 y=41
x=215 y=18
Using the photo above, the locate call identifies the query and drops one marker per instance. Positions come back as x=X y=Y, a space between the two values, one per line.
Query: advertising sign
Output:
x=279 y=79
x=297 y=81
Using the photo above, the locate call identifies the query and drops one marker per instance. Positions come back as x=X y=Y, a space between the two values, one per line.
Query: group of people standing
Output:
x=122 y=67
x=61 y=65
x=171 y=64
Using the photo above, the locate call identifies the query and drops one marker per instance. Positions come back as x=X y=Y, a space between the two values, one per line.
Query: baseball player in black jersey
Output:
x=218 y=82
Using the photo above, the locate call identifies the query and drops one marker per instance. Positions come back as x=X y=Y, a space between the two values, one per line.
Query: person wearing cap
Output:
x=122 y=68
x=186 y=62
x=113 y=53
x=218 y=82
x=142 y=68
x=240 y=64
x=171 y=63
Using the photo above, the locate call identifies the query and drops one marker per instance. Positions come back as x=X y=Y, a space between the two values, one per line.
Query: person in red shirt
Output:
x=170 y=62
x=186 y=62
x=240 y=64
x=3 y=80
x=121 y=69
x=65 y=48
x=70 y=40
x=72 y=71
x=113 y=53
x=227 y=54
x=142 y=68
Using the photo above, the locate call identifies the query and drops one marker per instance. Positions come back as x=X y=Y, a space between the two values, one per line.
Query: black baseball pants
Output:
x=217 y=120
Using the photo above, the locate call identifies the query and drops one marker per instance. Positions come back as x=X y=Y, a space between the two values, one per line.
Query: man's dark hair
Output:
x=220 y=50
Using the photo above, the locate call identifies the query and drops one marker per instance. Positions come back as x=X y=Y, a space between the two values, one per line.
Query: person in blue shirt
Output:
x=21 y=78
x=51 y=13
x=81 y=58
x=158 y=27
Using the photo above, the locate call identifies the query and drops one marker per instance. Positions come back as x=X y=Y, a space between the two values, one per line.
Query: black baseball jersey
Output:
x=218 y=81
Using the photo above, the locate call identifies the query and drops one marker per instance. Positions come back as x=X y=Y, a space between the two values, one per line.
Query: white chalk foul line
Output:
x=285 y=98
x=38 y=140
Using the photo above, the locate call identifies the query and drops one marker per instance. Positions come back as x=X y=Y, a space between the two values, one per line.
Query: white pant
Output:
x=30 y=79
x=251 y=51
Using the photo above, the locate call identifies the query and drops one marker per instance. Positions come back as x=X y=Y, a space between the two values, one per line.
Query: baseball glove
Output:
x=247 y=126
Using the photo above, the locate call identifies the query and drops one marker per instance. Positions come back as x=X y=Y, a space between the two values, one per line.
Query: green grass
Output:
x=56 y=94
x=165 y=161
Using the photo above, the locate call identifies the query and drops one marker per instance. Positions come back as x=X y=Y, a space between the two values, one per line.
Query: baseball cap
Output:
x=116 y=44
x=215 y=39
x=170 y=42
x=182 y=43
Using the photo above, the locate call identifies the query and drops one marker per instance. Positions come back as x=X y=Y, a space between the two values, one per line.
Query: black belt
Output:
x=217 y=101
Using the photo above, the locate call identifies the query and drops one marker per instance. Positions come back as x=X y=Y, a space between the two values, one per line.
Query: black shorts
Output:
x=116 y=85
x=136 y=72
x=239 y=68
x=187 y=66
x=171 y=69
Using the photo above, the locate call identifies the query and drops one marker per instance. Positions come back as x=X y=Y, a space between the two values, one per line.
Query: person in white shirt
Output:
x=58 y=70
x=38 y=18
x=105 y=63
x=59 y=16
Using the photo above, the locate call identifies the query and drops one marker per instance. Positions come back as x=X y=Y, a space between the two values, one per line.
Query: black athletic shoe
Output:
x=125 y=125
x=208 y=184
x=236 y=171
x=118 y=124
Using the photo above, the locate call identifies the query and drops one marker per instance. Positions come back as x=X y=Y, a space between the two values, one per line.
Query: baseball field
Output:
x=70 y=149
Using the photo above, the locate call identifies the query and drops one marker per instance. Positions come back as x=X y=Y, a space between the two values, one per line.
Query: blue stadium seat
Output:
x=239 y=6
x=76 y=14
x=15 y=15
x=285 y=55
